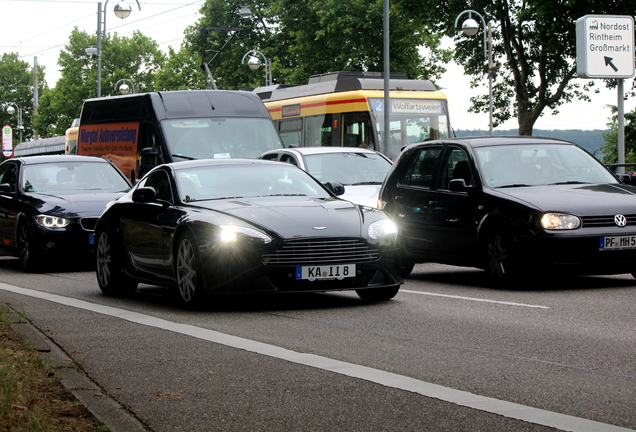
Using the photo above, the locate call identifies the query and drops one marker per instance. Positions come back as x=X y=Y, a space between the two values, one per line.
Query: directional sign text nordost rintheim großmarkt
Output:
x=605 y=46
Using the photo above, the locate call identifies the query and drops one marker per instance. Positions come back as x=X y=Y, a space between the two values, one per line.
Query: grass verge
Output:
x=31 y=396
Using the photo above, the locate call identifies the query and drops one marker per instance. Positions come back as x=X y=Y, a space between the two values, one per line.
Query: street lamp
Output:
x=124 y=88
x=470 y=27
x=11 y=110
x=254 y=63
x=122 y=10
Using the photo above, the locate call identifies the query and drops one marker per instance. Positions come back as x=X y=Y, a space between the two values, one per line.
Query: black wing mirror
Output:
x=459 y=185
x=335 y=187
x=144 y=195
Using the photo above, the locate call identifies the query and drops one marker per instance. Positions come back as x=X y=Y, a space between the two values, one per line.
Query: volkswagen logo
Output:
x=620 y=220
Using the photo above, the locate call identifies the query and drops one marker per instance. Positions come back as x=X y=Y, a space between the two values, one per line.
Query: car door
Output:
x=453 y=215
x=149 y=227
x=9 y=207
x=411 y=198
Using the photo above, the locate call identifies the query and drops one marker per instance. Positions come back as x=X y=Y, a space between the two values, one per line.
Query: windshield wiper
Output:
x=513 y=185
x=283 y=194
x=366 y=183
x=570 y=182
x=183 y=156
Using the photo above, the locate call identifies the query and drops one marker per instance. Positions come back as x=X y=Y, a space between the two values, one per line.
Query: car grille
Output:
x=605 y=221
x=301 y=252
x=88 y=223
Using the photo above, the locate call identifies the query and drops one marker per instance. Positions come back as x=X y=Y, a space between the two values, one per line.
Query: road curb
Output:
x=115 y=416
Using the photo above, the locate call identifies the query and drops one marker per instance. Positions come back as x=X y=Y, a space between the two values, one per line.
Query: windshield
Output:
x=348 y=168
x=220 y=138
x=243 y=181
x=73 y=177
x=412 y=121
x=530 y=165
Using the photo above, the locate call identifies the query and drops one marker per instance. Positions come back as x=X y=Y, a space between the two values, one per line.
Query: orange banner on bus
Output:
x=116 y=142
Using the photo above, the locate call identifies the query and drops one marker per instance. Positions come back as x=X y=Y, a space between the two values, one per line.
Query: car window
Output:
x=9 y=175
x=454 y=166
x=160 y=181
x=72 y=178
x=420 y=168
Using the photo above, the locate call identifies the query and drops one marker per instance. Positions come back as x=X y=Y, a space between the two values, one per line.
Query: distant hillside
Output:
x=590 y=140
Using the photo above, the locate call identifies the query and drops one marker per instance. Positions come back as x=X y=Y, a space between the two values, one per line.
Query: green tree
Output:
x=536 y=42
x=16 y=85
x=137 y=59
x=609 y=150
x=306 y=37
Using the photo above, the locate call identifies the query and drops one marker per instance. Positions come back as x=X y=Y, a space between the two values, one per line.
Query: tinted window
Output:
x=454 y=166
x=160 y=181
x=420 y=168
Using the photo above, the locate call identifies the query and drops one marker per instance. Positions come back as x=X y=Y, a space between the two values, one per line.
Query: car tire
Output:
x=500 y=266
x=188 y=271
x=29 y=259
x=404 y=264
x=111 y=278
x=378 y=294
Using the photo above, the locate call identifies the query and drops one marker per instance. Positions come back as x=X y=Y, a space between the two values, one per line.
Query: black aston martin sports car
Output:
x=514 y=206
x=49 y=206
x=238 y=225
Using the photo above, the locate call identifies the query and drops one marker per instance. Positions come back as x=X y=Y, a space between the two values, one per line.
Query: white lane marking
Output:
x=474 y=299
x=388 y=379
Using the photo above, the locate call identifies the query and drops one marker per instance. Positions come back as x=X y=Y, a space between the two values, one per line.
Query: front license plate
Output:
x=91 y=238
x=325 y=272
x=617 y=242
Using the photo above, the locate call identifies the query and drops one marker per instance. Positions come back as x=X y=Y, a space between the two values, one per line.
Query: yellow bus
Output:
x=71 y=138
x=347 y=109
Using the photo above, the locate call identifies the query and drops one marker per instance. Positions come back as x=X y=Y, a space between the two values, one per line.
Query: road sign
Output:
x=7 y=141
x=605 y=46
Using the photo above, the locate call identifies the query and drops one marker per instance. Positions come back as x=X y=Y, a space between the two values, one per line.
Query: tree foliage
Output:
x=610 y=148
x=536 y=42
x=16 y=86
x=303 y=38
x=137 y=59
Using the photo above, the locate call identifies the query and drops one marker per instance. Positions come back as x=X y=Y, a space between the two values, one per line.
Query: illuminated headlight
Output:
x=229 y=234
x=383 y=229
x=51 y=221
x=558 y=221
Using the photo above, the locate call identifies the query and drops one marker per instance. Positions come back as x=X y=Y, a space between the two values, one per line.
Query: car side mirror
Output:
x=5 y=188
x=149 y=159
x=144 y=195
x=459 y=185
x=335 y=187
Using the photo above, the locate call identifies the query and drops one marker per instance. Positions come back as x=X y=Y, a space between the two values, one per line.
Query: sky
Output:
x=41 y=28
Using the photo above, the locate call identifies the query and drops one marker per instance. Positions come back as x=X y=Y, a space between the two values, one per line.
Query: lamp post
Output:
x=254 y=63
x=121 y=10
x=470 y=27
x=11 y=110
x=125 y=88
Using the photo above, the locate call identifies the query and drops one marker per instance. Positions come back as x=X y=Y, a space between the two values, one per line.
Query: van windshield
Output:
x=220 y=138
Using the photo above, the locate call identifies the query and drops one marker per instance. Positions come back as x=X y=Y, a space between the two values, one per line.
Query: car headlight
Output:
x=383 y=229
x=230 y=233
x=559 y=221
x=51 y=222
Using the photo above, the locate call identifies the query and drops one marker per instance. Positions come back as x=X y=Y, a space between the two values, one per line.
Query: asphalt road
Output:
x=447 y=354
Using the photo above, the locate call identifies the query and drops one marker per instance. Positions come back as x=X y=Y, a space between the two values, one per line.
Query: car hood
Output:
x=588 y=199
x=295 y=216
x=72 y=205
x=364 y=195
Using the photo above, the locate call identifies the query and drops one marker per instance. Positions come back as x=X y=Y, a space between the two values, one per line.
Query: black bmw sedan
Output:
x=513 y=206
x=238 y=225
x=49 y=206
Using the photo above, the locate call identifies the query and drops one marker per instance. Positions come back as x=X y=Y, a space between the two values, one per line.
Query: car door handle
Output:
x=432 y=203
x=398 y=197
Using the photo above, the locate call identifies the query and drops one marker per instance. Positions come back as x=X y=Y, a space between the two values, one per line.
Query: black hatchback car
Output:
x=511 y=205
x=49 y=206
